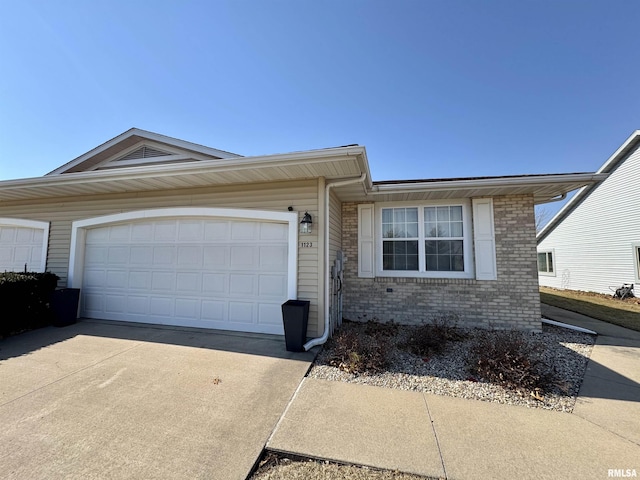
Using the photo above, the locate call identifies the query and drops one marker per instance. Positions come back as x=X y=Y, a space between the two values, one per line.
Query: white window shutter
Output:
x=484 y=239
x=366 y=241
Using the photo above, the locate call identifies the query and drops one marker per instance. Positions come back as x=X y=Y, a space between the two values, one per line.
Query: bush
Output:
x=361 y=352
x=25 y=301
x=431 y=338
x=512 y=360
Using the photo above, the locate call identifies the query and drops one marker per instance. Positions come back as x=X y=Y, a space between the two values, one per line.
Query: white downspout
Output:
x=327 y=291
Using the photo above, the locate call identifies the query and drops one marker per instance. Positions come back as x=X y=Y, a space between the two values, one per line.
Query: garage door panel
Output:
x=272 y=286
x=95 y=278
x=241 y=312
x=164 y=231
x=20 y=246
x=140 y=280
x=188 y=282
x=217 y=256
x=117 y=278
x=193 y=272
x=214 y=310
x=119 y=232
x=161 y=307
x=163 y=255
x=215 y=283
x=243 y=257
x=141 y=255
x=187 y=308
x=243 y=231
x=240 y=284
x=190 y=231
x=190 y=256
x=215 y=230
x=269 y=314
x=142 y=232
x=138 y=305
x=273 y=257
x=163 y=281
x=115 y=303
x=274 y=231
x=95 y=255
x=118 y=255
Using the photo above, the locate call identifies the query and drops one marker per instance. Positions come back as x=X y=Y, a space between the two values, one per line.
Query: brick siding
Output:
x=511 y=301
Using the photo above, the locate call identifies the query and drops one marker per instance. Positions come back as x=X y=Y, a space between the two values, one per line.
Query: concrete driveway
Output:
x=103 y=400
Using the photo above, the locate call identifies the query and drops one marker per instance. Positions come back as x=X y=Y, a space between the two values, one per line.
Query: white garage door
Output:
x=211 y=273
x=20 y=246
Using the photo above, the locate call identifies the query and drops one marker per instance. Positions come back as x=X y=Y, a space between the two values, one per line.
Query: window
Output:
x=636 y=254
x=545 y=263
x=425 y=240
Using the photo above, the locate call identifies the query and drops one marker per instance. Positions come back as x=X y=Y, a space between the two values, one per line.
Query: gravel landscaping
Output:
x=279 y=467
x=564 y=354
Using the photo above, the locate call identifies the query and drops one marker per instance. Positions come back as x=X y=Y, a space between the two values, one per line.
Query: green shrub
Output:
x=25 y=301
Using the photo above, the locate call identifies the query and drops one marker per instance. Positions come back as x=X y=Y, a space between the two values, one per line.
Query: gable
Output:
x=136 y=148
x=621 y=186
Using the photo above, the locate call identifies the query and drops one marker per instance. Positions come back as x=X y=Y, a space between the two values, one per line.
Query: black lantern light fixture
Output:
x=305 y=223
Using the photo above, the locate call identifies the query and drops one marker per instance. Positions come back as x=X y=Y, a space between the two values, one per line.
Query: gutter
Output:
x=533 y=180
x=327 y=291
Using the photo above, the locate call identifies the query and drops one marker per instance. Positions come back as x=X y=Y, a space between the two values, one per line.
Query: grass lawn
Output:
x=625 y=313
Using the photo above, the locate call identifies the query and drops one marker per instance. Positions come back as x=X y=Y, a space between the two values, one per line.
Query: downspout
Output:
x=327 y=291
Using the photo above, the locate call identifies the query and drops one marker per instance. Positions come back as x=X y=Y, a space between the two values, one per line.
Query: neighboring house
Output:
x=593 y=243
x=155 y=229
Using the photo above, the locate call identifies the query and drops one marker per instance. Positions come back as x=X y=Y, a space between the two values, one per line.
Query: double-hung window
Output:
x=425 y=241
x=545 y=263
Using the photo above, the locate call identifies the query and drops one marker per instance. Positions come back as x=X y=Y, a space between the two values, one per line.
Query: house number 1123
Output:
x=306 y=244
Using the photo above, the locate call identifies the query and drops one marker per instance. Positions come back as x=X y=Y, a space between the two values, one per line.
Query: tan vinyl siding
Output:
x=301 y=195
x=335 y=226
x=592 y=246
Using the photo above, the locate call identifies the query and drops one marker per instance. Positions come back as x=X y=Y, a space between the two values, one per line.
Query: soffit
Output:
x=543 y=188
x=338 y=163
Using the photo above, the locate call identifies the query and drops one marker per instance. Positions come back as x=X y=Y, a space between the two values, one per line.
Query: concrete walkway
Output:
x=451 y=438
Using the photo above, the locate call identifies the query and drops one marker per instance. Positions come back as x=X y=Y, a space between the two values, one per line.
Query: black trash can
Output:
x=64 y=306
x=295 y=315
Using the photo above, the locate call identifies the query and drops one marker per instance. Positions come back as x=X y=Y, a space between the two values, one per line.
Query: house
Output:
x=155 y=229
x=593 y=243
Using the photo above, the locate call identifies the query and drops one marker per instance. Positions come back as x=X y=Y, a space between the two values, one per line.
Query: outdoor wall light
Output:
x=305 y=223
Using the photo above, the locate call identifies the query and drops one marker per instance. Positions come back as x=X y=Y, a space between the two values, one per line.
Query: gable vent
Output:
x=144 y=152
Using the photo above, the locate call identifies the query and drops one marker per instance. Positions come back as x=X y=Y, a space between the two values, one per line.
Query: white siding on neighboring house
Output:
x=593 y=245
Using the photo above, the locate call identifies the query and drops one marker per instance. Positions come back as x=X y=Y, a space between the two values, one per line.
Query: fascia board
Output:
x=542 y=180
x=206 y=166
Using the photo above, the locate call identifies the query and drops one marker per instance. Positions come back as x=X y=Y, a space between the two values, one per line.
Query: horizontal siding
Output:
x=335 y=226
x=593 y=244
x=302 y=196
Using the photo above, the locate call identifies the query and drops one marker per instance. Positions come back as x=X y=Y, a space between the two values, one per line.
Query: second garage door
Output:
x=201 y=272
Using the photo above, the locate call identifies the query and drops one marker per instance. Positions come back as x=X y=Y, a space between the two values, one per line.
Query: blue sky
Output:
x=432 y=88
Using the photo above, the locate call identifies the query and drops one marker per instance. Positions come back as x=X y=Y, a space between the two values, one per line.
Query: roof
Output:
x=128 y=140
x=619 y=156
x=117 y=167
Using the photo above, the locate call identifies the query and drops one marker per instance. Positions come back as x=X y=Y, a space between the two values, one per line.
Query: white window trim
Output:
x=553 y=256
x=467 y=245
x=636 y=260
x=79 y=229
x=35 y=224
